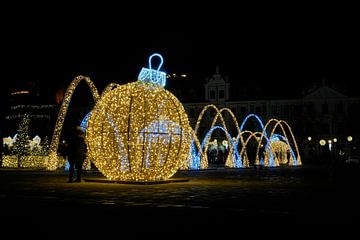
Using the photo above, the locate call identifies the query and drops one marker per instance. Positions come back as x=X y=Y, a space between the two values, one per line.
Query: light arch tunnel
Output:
x=267 y=153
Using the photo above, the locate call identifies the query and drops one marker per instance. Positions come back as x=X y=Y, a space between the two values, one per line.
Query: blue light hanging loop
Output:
x=161 y=60
x=152 y=75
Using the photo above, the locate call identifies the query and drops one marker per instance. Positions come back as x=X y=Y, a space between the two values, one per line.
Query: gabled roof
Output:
x=324 y=92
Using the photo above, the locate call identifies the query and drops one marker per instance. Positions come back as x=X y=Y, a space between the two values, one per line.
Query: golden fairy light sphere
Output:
x=138 y=132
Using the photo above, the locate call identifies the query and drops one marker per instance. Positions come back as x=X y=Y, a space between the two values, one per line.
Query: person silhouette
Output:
x=77 y=150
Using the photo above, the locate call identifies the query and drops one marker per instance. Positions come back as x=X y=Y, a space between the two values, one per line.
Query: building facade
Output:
x=322 y=114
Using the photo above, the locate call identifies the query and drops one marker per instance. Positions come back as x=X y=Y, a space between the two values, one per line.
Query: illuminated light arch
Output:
x=52 y=162
x=232 y=156
x=234 y=160
x=280 y=138
x=257 y=118
x=251 y=115
x=233 y=117
x=239 y=136
x=203 y=111
x=243 y=152
x=296 y=159
x=205 y=143
x=245 y=160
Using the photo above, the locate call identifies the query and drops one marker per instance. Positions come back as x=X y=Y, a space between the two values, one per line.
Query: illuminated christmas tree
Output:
x=45 y=146
x=21 y=146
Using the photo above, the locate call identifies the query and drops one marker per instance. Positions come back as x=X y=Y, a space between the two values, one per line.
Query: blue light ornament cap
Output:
x=151 y=75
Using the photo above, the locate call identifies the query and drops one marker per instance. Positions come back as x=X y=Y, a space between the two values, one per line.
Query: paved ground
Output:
x=212 y=198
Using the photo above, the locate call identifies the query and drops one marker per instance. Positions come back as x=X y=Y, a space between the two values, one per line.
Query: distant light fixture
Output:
x=20 y=92
x=183 y=75
x=309 y=138
x=335 y=140
x=322 y=142
x=329 y=141
x=349 y=138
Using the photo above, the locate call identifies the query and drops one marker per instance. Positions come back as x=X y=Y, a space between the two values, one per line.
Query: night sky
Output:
x=252 y=50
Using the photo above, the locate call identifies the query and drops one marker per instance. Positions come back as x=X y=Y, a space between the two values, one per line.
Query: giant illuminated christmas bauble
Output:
x=138 y=132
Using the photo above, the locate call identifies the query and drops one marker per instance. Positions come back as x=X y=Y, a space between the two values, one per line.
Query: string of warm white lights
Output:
x=22 y=106
x=296 y=160
x=32 y=116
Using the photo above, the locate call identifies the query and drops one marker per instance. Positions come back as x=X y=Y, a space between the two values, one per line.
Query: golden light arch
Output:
x=52 y=162
x=229 y=160
x=223 y=124
x=279 y=123
x=203 y=111
x=245 y=161
x=243 y=152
